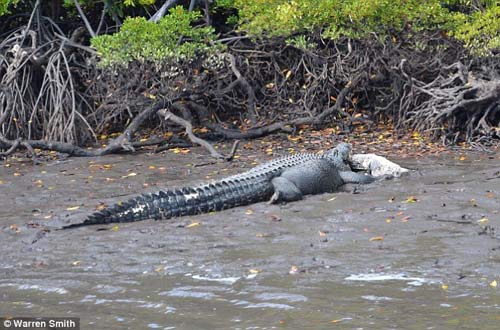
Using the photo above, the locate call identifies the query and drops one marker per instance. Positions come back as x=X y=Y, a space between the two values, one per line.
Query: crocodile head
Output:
x=342 y=152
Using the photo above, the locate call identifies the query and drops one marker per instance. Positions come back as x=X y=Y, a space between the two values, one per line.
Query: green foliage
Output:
x=138 y=2
x=476 y=23
x=300 y=42
x=173 y=38
x=223 y=4
x=4 y=6
x=480 y=31
x=353 y=18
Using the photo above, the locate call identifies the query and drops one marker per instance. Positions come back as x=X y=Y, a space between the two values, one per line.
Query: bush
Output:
x=173 y=38
x=354 y=18
x=4 y=6
x=480 y=31
x=477 y=26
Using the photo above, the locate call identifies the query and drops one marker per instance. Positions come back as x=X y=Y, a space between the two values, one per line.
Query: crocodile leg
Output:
x=284 y=191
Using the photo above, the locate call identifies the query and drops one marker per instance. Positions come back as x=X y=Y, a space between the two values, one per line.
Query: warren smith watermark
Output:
x=37 y=323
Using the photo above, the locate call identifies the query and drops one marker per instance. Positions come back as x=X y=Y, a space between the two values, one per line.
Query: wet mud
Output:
x=418 y=252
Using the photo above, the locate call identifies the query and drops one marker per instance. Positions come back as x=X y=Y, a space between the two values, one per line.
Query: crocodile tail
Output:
x=136 y=209
x=215 y=196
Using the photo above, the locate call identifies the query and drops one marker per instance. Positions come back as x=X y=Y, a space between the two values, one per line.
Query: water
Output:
x=372 y=260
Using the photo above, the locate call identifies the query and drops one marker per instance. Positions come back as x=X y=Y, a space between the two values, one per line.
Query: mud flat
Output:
x=418 y=252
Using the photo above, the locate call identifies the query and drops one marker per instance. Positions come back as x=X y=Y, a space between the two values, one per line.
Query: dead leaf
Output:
x=194 y=224
x=293 y=270
x=483 y=220
x=293 y=139
x=201 y=130
x=411 y=199
x=248 y=212
x=101 y=206
x=275 y=218
x=72 y=208
x=377 y=238
x=76 y=263
x=406 y=219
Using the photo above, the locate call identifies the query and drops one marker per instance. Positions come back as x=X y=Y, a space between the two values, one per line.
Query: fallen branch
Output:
x=121 y=143
x=167 y=115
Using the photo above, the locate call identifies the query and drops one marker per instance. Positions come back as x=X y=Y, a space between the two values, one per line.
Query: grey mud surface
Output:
x=370 y=260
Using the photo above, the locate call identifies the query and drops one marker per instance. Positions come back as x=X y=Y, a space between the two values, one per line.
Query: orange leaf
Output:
x=406 y=219
x=411 y=199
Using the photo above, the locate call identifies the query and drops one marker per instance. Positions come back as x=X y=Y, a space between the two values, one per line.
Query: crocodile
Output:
x=279 y=180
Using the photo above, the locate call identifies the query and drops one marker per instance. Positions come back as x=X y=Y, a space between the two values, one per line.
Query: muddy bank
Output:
x=424 y=246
